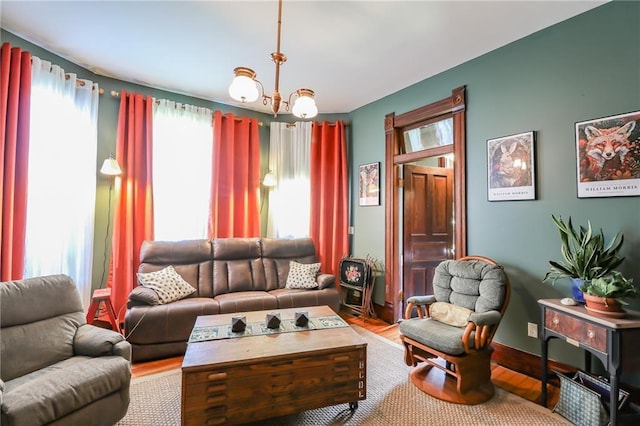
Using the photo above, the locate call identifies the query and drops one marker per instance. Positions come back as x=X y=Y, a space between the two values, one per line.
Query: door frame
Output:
x=394 y=125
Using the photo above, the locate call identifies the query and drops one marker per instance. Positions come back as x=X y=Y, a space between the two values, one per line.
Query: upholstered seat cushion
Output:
x=242 y=301
x=439 y=336
x=296 y=298
x=171 y=322
x=55 y=391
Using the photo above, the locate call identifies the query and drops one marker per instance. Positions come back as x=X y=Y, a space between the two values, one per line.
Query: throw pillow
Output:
x=447 y=313
x=302 y=275
x=169 y=285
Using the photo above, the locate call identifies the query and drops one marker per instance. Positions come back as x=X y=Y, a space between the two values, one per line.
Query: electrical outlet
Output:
x=532 y=330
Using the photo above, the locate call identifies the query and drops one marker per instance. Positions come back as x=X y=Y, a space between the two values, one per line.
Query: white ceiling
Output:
x=350 y=53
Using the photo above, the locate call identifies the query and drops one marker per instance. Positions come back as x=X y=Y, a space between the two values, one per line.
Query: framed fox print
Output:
x=608 y=156
x=511 y=167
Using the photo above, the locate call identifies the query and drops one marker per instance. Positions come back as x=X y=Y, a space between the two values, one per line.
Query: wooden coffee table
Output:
x=239 y=380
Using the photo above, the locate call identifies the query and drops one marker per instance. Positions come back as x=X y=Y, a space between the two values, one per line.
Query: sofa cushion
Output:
x=242 y=301
x=53 y=392
x=167 y=323
x=298 y=298
x=302 y=275
x=167 y=283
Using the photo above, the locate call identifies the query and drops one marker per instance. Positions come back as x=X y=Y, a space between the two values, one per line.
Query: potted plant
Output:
x=606 y=295
x=585 y=254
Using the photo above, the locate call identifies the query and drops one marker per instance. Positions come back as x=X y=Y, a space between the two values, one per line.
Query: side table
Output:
x=99 y=296
x=613 y=341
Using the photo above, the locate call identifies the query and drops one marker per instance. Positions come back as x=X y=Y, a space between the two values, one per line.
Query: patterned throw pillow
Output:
x=169 y=285
x=447 y=313
x=302 y=275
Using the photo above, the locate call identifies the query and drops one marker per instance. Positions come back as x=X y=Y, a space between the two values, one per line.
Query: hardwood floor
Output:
x=509 y=380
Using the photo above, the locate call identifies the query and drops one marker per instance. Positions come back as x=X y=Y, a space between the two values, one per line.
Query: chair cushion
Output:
x=302 y=275
x=447 y=313
x=437 y=335
x=169 y=285
x=474 y=284
x=60 y=389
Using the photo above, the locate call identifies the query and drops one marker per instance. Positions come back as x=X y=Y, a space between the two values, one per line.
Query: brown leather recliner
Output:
x=229 y=275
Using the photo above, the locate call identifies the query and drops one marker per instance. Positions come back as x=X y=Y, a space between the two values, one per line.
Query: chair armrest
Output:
x=143 y=296
x=325 y=281
x=420 y=303
x=95 y=341
x=1 y=390
x=422 y=300
x=485 y=318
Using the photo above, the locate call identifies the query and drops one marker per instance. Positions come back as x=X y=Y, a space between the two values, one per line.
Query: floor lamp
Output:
x=268 y=182
x=111 y=169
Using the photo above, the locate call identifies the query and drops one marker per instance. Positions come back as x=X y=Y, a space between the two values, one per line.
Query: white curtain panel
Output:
x=62 y=175
x=289 y=161
x=182 y=150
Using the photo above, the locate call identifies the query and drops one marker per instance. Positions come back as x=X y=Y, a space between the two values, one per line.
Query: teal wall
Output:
x=583 y=68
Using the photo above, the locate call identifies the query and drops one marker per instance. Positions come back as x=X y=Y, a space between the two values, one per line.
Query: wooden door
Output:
x=428 y=226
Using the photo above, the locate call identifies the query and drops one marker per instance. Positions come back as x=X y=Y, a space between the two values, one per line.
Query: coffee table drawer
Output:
x=574 y=329
x=341 y=363
x=244 y=392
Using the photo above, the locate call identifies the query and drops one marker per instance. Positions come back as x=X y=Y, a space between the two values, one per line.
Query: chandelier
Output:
x=244 y=87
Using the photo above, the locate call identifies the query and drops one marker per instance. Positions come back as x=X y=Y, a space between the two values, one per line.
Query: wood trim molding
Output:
x=453 y=106
x=525 y=362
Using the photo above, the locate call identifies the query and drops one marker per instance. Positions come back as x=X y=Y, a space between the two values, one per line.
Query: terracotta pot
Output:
x=604 y=306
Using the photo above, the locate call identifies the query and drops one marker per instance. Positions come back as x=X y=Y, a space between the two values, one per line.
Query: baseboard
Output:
x=384 y=312
x=525 y=362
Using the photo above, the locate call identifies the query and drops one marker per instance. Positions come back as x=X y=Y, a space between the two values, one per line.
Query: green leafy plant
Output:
x=613 y=285
x=585 y=254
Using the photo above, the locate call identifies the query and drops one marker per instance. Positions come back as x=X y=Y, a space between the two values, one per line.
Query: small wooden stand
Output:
x=102 y=295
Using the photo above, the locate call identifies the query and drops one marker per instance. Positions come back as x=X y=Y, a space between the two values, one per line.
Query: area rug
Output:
x=391 y=400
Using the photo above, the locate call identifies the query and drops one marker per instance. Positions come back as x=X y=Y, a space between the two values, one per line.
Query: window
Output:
x=182 y=150
x=62 y=176
x=289 y=200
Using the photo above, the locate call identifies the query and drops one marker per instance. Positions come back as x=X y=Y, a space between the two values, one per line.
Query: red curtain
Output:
x=235 y=180
x=15 y=103
x=133 y=215
x=329 y=197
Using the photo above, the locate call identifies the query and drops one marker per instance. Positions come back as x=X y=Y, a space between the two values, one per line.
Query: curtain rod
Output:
x=82 y=83
x=79 y=82
x=117 y=95
x=346 y=124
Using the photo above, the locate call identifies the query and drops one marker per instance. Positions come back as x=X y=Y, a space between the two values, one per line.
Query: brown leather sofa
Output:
x=230 y=275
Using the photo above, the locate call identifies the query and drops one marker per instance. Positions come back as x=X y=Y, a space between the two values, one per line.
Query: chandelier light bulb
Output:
x=305 y=105
x=243 y=87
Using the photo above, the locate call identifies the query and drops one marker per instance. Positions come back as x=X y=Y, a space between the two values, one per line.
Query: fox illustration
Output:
x=605 y=144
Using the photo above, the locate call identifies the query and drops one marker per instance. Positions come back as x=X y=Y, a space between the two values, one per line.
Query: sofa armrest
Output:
x=142 y=296
x=325 y=281
x=95 y=341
